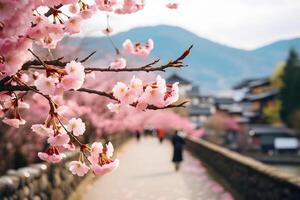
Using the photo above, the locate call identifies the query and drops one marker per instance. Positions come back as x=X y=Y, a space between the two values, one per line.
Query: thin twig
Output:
x=90 y=91
x=177 y=63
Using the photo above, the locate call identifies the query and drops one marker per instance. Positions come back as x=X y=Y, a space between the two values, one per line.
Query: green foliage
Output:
x=290 y=91
x=271 y=112
x=276 y=78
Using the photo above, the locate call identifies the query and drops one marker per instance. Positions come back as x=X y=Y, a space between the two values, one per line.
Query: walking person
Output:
x=178 y=143
x=138 y=135
x=161 y=135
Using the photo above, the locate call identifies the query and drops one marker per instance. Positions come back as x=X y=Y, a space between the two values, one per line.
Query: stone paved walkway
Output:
x=146 y=173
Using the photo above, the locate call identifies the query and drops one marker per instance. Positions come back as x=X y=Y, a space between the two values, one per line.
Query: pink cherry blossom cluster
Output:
x=138 y=49
x=13 y=53
x=11 y=106
x=43 y=24
x=127 y=7
x=158 y=94
x=100 y=160
x=59 y=80
x=172 y=5
x=58 y=135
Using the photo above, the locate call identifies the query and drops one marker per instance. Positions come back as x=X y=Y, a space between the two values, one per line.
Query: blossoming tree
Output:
x=26 y=76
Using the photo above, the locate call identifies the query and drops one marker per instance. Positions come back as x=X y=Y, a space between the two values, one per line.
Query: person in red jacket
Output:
x=161 y=135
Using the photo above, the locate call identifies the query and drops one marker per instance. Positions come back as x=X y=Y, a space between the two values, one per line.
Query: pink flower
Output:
x=51 y=3
x=130 y=6
x=101 y=170
x=106 y=5
x=114 y=107
x=120 y=90
x=52 y=155
x=172 y=5
x=119 y=63
x=75 y=76
x=13 y=53
x=138 y=49
x=72 y=26
x=78 y=168
x=46 y=85
x=77 y=126
x=102 y=162
x=73 y=8
x=70 y=146
x=70 y=82
x=75 y=68
x=14 y=122
x=51 y=35
x=60 y=139
x=141 y=105
x=62 y=110
x=88 y=12
x=42 y=130
x=172 y=95
x=136 y=86
x=96 y=148
x=128 y=46
x=153 y=96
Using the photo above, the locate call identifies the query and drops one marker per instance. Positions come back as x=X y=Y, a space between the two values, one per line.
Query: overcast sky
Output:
x=244 y=24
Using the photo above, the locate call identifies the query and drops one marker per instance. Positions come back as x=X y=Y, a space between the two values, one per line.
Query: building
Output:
x=267 y=139
x=258 y=93
x=184 y=85
x=199 y=107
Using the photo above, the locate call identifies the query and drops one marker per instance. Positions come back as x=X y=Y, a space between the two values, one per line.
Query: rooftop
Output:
x=252 y=83
x=176 y=78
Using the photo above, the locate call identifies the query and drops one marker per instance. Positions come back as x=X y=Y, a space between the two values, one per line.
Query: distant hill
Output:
x=211 y=65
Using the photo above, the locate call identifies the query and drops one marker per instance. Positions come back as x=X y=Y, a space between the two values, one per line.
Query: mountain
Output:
x=211 y=65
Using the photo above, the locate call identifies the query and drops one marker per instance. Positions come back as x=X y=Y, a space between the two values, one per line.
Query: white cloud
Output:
x=240 y=23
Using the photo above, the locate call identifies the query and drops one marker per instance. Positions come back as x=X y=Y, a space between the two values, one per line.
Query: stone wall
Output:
x=249 y=178
x=45 y=181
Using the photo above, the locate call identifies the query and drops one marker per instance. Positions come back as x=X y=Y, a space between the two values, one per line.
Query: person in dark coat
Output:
x=178 y=143
x=138 y=135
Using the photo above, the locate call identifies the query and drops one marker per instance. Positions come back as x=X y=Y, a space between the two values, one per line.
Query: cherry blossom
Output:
x=103 y=163
x=119 y=63
x=72 y=26
x=96 y=148
x=60 y=139
x=106 y=168
x=53 y=79
x=52 y=155
x=172 y=5
x=46 y=85
x=138 y=49
x=130 y=6
x=120 y=90
x=78 y=168
x=14 y=122
x=42 y=130
x=76 y=126
x=114 y=107
x=88 y=11
x=106 y=5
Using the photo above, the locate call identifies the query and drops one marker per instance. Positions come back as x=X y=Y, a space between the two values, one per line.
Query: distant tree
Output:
x=290 y=91
x=272 y=112
x=276 y=78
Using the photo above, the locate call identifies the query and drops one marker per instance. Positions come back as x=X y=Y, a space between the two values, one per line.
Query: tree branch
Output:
x=90 y=91
x=177 y=63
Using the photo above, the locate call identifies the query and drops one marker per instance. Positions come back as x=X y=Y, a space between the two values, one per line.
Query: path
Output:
x=146 y=173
